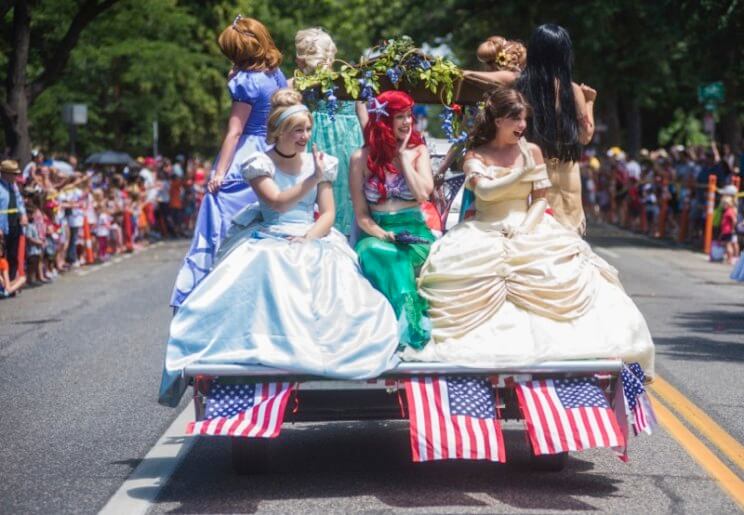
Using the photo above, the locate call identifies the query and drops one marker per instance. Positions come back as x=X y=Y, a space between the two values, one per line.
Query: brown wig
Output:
x=500 y=102
x=248 y=44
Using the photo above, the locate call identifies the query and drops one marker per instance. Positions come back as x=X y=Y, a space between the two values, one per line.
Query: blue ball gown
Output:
x=216 y=211
x=303 y=307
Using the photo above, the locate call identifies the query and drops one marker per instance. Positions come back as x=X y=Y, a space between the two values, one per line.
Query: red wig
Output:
x=380 y=139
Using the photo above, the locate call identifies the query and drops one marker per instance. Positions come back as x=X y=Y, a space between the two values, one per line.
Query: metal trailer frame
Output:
x=320 y=399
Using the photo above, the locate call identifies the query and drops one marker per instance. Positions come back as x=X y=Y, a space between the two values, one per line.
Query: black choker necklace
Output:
x=285 y=156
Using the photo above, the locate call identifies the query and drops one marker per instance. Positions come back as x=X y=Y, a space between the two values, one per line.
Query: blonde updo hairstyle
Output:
x=498 y=53
x=315 y=49
x=249 y=46
x=282 y=100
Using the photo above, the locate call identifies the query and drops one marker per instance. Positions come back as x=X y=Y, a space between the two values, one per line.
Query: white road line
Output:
x=607 y=252
x=138 y=493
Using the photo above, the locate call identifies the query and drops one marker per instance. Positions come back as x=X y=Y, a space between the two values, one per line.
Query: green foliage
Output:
x=158 y=59
x=399 y=60
x=685 y=129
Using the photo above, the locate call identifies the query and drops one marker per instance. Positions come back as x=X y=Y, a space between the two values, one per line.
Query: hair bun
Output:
x=499 y=53
x=285 y=97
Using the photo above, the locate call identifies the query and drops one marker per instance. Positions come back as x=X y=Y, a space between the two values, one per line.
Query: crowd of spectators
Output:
x=56 y=215
x=664 y=193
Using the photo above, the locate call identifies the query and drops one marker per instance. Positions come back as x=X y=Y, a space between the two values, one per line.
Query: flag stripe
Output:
x=450 y=445
x=427 y=421
x=443 y=447
x=420 y=421
x=572 y=440
x=252 y=416
x=534 y=430
x=412 y=420
x=540 y=412
x=479 y=449
x=551 y=415
x=436 y=436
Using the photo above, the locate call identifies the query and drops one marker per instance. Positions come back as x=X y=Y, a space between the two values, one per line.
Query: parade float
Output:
x=454 y=411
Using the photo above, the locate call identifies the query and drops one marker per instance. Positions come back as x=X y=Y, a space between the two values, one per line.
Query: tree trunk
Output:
x=611 y=118
x=633 y=126
x=20 y=94
x=15 y=110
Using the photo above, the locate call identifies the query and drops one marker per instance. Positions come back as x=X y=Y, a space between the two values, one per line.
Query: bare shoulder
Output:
x=359 y=155
x=358 y=162
x=421 y=149
x=474 y=153
x=536 y=152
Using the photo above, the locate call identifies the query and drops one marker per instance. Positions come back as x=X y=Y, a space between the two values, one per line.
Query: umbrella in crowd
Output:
x=61 y=166
x=109 y=157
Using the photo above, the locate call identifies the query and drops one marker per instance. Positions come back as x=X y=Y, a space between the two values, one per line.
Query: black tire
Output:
x=250 y=455
x=549 y=462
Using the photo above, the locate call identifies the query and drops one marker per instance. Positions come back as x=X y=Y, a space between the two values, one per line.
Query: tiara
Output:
x=238 y=29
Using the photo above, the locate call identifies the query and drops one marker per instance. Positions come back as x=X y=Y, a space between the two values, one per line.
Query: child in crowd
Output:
x=114 y=207
x=104 y=220
x=7 y=287
x=728 y=227
x=35 y=239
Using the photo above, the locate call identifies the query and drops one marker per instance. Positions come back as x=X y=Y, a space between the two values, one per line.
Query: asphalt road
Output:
x=80 y=364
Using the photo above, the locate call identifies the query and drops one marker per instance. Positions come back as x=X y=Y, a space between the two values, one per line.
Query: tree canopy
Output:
x=145 y=60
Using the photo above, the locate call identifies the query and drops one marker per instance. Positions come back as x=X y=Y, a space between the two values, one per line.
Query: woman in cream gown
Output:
x=514 y=286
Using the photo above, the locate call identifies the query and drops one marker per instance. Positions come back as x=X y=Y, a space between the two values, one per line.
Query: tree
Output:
x=22 y=90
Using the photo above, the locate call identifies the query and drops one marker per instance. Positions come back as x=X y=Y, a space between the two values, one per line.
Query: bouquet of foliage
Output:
x=394 y=64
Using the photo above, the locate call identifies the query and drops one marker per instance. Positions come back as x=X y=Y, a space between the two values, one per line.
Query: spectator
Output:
x=35 y=238
x=8 y=287
x=729 y=218
x=71 y=200
x=12 y=214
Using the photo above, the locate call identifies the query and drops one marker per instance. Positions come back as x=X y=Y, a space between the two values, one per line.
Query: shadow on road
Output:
x=697 y=348
x=362 y=465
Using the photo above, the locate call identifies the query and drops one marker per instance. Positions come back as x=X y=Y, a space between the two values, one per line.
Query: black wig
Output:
x=554 y=126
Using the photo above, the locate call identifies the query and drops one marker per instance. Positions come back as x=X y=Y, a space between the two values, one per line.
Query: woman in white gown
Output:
x=287 y=290
x=513 y=286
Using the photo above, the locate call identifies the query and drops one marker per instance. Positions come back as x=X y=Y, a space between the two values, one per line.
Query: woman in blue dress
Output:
x=287 y=290
x=337 y=125
x=255 y=77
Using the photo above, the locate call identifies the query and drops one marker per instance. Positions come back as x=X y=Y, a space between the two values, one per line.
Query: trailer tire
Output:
x=549 y=462
x=250 y=455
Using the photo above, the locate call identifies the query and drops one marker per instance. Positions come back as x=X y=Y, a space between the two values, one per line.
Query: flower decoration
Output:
x=397 y=60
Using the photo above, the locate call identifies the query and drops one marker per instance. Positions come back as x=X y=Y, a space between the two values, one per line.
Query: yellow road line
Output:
x=728 y=481
x=726 y=443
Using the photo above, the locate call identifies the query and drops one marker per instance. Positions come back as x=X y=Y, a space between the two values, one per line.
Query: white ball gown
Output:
x=303 y=307
x=501 y=295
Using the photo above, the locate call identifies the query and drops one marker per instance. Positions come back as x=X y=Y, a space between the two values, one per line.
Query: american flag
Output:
x=252 y=410
x=568 y=415
x=636 y=400
x=453 y=418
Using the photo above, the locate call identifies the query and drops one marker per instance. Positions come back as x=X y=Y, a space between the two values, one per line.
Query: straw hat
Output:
x=9 y=166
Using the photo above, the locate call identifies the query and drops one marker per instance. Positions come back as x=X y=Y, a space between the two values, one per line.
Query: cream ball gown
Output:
x=514 y=287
